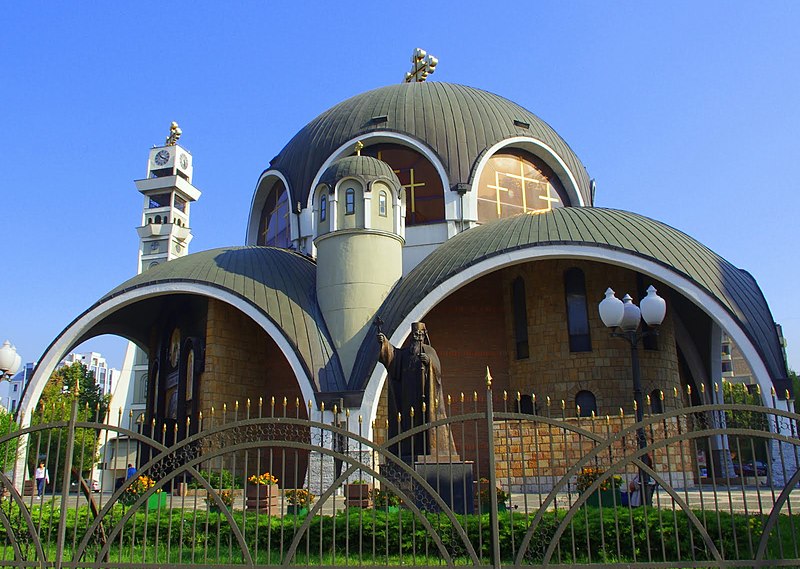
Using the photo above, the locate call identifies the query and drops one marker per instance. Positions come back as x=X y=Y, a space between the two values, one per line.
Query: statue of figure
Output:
x=415 y=378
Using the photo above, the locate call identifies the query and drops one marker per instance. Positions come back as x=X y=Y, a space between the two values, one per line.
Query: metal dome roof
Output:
x=280 y=283
x=735 y=289
x=364 y=167
x=457 y=123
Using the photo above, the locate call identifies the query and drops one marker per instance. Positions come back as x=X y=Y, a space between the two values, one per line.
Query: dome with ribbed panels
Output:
x=365 y=168
x=459 y=124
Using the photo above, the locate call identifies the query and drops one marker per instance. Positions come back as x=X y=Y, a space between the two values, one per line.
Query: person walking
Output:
x=130 y=472
x=42 y=477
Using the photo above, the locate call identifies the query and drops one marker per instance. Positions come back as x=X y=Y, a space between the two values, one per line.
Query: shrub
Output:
x=587 y=477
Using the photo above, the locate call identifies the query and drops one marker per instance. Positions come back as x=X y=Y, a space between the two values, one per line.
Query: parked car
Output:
x=751 y=468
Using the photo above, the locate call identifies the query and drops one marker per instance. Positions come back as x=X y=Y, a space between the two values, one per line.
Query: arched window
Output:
x=656 y=405
x=587 y=402
x=419 y=178
x=273 y=228
x=382 y=200
x=577 y=312
x=158 y=219
x=350 y=201
x=323 y=207
x=514 y=181
x=520 y=310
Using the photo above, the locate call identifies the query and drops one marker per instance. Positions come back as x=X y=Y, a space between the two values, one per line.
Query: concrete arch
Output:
x=389 y=137
x=538 y=148
x=689 y=289
x=82 y=326
x=257 y=203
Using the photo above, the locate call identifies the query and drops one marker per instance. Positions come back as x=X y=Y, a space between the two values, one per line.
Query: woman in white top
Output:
x=42 y=477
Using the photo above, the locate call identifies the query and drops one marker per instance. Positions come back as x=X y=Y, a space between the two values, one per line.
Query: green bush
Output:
x=219 y=479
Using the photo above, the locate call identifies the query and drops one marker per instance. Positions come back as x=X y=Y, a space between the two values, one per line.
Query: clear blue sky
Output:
x=683 y=111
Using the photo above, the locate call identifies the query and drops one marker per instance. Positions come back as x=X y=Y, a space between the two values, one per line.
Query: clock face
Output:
x=184 y=161
x=162 y=157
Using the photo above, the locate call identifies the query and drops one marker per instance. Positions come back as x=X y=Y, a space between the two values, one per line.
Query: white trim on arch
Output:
x=66 y=340
x=257 y=204
x=404 y=140
x=684 y=286
x=550 y=157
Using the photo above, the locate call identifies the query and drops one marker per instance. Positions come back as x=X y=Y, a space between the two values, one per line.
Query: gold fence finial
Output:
x=488 y=379
x=577 y=411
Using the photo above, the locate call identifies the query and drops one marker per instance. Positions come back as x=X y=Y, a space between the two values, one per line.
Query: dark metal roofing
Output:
x=734 y=288
x=365 y=167
x=458 y=123
x=280 y=283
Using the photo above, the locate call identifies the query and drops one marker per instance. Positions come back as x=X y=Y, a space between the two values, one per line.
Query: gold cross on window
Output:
x=523 y=181
x=410 y=186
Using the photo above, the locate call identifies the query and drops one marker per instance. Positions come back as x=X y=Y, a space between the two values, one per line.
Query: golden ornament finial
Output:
x=422 y=65
x=175 y=133
x=488 y=378
x=359 y=146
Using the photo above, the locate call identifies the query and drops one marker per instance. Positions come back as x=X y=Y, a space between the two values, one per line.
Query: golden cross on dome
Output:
x=423 y=65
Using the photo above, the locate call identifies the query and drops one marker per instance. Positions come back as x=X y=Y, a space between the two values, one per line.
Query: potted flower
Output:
x=226 y=497
x=299 y=501
x=357 y=494
x=605 y=493
x=262 y=492
x=385 y=499
x=485 y=496
x=138 y=487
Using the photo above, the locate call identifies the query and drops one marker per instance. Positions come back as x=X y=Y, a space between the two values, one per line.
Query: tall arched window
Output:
x=350 y=201
x=577 y=312
x=656 y=405
x=382 y=199
x=520 y=310
x=419 y=178
x=587 y=402
x=273 y=228
x=323 y=207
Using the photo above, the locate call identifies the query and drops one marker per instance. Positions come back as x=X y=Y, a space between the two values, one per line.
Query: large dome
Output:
x=459 y=124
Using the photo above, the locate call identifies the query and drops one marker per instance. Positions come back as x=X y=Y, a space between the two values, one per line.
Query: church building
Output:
x=419 y=201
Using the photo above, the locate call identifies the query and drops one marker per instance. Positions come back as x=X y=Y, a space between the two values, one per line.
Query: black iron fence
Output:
x=527 y=483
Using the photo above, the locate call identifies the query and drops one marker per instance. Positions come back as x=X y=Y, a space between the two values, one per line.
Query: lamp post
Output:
x=623 y=317
x=10 y=361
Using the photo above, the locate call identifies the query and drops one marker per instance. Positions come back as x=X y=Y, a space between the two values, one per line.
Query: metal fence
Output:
x=529 y=483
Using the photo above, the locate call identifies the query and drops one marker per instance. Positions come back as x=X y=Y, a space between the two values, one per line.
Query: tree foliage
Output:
x=8 y=449
x=55 y=406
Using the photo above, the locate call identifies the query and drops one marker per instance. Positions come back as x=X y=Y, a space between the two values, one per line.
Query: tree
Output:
x=8 y=449
x=748 y=447
x=55 y=406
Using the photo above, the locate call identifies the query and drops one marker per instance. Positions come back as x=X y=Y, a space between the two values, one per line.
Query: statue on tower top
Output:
x=423 y=65
x=174 y=134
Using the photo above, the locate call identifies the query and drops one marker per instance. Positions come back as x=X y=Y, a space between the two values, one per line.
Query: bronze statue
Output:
x=415 y=380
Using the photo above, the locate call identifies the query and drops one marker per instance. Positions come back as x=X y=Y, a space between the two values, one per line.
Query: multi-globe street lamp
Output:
x=10 y=360
x=624 y=317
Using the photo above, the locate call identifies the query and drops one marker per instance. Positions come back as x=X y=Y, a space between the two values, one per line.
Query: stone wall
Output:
x=533 y=456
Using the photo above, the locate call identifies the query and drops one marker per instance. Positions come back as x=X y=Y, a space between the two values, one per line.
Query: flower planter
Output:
x=156 y=501
x=296 y=510
x=357 y=495
x=263 y=498
x=606 y=496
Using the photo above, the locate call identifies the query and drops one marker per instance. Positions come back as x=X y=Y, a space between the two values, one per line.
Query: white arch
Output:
x=382 y=136
x=706 y=302
x=257 y=203
x=66 y=340
x=550 y=157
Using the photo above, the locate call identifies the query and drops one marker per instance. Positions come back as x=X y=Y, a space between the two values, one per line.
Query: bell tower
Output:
x=168 y=193
x=164 y=234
